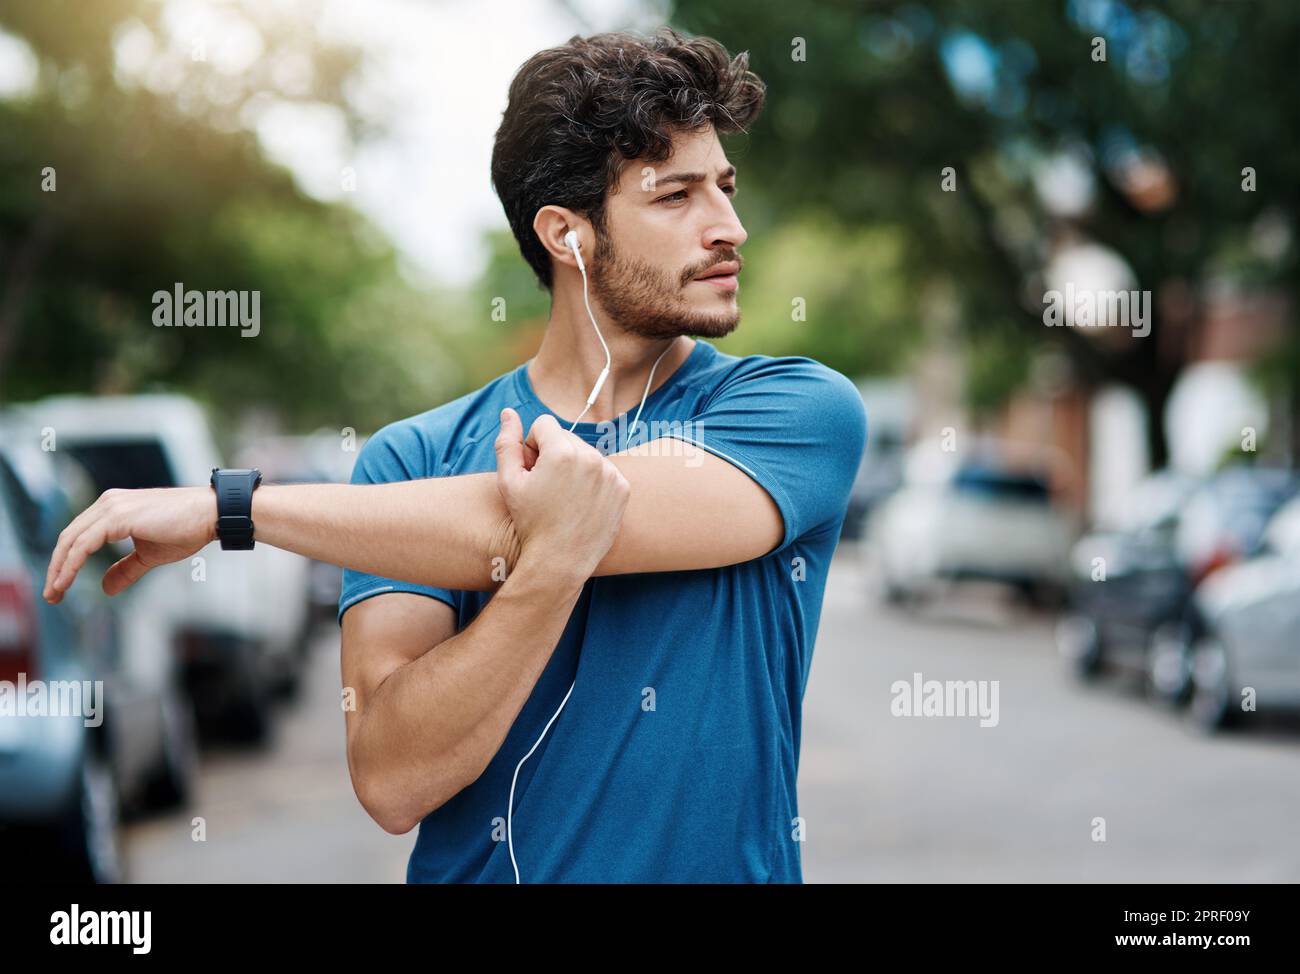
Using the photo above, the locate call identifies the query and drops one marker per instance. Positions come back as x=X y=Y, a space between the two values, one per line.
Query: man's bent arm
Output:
x=430 y=718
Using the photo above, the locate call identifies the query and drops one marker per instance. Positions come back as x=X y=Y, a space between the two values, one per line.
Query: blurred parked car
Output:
x=1248 y=630
x=60 y=780
x=890 y=410
x=1139 y=617
x=977 y=519
x=1127 y=582
x=151 y=738
x=237 y=619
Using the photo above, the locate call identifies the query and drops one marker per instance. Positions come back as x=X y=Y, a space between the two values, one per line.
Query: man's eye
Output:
x=681 y=195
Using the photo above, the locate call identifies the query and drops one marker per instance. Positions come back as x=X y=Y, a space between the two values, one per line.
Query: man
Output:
x=589 y=664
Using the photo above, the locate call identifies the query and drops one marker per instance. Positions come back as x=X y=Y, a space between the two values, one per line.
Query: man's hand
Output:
x=166 y=524
x=565 y=498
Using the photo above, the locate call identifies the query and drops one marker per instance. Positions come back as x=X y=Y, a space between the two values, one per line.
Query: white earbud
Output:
x=571 y=241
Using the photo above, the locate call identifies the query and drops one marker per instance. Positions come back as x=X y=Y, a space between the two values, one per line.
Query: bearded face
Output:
x=657 y=303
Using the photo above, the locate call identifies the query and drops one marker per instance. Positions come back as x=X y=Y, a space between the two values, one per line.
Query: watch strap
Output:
x=234 y=490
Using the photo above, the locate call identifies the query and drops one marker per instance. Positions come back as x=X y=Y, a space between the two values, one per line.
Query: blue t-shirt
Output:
x=676 y=756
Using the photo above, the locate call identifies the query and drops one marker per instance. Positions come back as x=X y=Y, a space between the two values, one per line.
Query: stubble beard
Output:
x=645 y=301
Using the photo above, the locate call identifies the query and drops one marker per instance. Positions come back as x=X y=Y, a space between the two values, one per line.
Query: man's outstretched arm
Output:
x=684 y=512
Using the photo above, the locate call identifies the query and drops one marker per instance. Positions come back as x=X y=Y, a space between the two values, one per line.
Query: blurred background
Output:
x=1103 y=521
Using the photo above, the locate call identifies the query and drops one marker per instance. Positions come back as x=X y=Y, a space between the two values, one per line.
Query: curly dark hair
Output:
x=579 y=112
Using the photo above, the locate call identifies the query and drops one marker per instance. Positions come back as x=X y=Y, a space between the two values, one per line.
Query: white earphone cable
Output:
x=510 y=839
x=650 y=378
x=510 y=808
x=601 y=381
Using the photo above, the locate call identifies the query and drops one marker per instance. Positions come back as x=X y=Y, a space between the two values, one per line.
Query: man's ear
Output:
x=551 y=224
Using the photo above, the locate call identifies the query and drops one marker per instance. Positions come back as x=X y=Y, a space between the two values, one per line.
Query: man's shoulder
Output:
x=779 y=373
x=815 y=403
x=429 y=443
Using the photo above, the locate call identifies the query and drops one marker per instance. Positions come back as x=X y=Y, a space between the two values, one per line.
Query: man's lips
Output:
x=722 y=275
x=723 y=282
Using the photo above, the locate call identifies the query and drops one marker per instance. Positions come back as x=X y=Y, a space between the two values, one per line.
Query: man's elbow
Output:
x=395 y=821
x=396 y=809
x=382 y=806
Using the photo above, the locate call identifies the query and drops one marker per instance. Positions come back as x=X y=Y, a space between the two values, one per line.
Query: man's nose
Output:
x=726 y=230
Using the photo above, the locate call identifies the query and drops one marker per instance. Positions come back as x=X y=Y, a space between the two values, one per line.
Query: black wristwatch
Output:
x=235 y=507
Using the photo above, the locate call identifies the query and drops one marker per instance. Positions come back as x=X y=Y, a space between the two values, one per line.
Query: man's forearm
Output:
x=447 y=532
x=435 y=723
x=456 y=532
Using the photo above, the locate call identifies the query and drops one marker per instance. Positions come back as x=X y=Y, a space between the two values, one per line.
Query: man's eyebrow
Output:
x=693 y=177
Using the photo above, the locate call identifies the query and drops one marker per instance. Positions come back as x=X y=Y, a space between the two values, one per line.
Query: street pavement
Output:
x=941 y=799
x=883 y=798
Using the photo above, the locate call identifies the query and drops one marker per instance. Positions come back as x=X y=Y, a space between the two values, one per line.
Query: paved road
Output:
x=884 y=798
x=287 y=814
x=907 y=799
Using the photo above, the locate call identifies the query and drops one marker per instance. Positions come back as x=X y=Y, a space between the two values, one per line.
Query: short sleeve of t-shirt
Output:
x=392 y=454
x=796 y=427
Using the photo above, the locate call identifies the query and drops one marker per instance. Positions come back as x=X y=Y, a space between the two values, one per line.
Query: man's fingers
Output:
x=548 y=437
x=67 y=539
x=512 y=427
x=125 y=572
x=510 y=447
x=87 y=543
x=545 y=429
x=68 y=536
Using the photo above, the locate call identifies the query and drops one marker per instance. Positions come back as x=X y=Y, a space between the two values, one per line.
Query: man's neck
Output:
x=570 y=358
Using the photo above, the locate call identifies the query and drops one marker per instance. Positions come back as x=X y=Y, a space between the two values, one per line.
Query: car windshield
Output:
x=986 y=482
x=125 y=464
x=1231 y=511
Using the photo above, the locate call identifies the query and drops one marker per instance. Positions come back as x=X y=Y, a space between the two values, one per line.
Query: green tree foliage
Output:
x=158 y=187
x=869 y=103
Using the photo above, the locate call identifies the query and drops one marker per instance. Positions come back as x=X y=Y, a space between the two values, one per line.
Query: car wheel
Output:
x=1212 y=691
x=89 y=836
x=1047 y=596
x=250 y=718
x=1079 y=643
x=1168 y=663
x=172 y=781
x=288 y=682
x=288 y=685
x=892 y=593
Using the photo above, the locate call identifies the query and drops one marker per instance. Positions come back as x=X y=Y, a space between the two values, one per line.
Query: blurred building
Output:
x=1098 y=433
